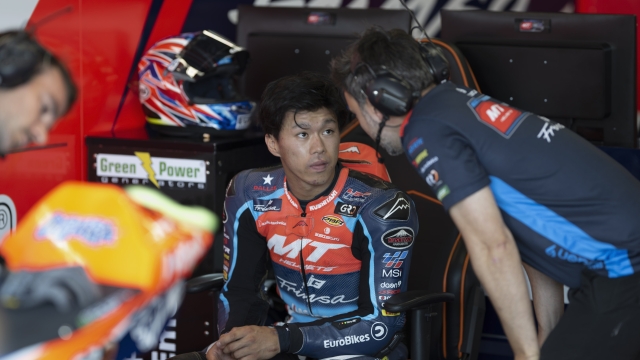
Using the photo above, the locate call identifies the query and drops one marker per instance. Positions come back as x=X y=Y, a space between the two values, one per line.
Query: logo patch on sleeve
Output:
x=267 y=205
x=498 y=116
x=332 y=220
x=394 y=209
x=398 y=238
x=346 y=209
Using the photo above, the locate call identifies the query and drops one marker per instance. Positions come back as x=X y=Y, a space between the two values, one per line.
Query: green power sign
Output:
x=143 y=168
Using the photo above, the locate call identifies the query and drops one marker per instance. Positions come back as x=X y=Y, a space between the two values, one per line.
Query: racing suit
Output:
x=336 y=259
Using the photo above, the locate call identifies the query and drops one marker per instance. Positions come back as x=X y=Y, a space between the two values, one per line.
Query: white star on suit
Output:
x=267 y=179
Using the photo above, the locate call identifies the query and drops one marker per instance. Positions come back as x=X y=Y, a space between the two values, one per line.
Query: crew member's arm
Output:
x=496 y=262
x=548 y=301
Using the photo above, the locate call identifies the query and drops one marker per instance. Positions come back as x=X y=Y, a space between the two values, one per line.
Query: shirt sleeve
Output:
x=369 y=330
x=244 y=267
x=445 y=159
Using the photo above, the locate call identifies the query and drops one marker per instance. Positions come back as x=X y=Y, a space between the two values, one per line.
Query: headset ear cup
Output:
x=390 y=95
x=436 y=62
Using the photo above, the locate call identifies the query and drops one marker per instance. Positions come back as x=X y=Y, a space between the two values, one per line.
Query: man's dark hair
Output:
x=306 y=91
x=46 y=60
x=394 y=50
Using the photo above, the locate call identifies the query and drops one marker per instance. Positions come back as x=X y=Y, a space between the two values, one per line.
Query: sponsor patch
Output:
x=352 y=149
x=394 y=260
x=379 y=331
x=414 y=145
x=389 y=292
x=340 y=325
x=347 y=340
x=533 y=25
x=498 y=116
x=393 y=285
x=433 y=178
x=391 y=273
x=264 y=188
x=332 y=220
x=443 y=192
x=548 y=129
x=397 y=208
x=91 y=230
x=386 y=313
x=298 y=225
x=555 y=251
x=324 y=202
x=398 y=238
x=428 y=164
x=346 y=209
x=267 y=180
x=421 y=156
x=323 y=236
x=353 y=195
x=267 y=205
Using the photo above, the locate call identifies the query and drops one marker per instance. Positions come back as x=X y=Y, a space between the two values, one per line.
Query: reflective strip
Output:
x=559 y=230
x=235 y=246
x=372 y=287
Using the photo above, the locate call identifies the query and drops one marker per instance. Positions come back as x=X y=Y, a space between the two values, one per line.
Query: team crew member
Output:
x=339 y=241
x=35 y=90
x=520 y=188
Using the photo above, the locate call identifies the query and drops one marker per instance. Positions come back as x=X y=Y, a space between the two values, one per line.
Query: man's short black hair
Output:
x=47 y=60
x=306 y=91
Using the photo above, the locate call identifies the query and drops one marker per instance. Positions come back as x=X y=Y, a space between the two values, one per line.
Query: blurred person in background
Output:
x=36 y=89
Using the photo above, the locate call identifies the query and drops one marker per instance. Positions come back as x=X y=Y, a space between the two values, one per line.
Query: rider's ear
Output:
x=272 y=144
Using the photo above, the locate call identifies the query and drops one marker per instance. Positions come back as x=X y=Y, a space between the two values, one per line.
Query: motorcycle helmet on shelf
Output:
x=187 y=86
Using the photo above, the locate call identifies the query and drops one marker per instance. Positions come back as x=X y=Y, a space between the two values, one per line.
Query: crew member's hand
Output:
x=250 y=343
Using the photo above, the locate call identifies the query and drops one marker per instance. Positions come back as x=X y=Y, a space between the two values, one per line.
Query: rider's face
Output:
x=28 y=111
x=308 y=148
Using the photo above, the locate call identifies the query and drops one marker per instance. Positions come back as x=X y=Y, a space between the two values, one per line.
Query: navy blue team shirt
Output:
x=568 y=204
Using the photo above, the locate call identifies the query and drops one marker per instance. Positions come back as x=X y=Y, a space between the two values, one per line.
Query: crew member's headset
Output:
x=391 y=94
x=20 y=58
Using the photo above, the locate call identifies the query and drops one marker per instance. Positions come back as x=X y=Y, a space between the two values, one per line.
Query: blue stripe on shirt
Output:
x=559 y=230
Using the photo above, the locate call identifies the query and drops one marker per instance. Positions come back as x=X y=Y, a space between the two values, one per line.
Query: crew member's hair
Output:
x=306 y=91
x=394 y=50
x=48 y=60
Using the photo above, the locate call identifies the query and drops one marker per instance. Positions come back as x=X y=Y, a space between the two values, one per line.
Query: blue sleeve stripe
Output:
x=232 y=266
x=225 y=302
x=559 y=230
x=372 y=285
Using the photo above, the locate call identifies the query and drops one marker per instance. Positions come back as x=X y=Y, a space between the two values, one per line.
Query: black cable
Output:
x=380 y=127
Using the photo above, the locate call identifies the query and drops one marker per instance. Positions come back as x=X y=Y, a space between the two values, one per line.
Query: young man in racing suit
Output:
x=521 y=188
x=339 y=241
